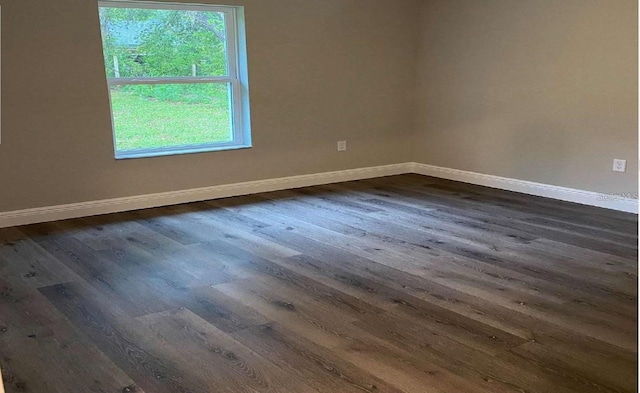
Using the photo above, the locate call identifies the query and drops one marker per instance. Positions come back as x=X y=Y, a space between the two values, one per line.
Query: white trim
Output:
x=92 y=208
x=177 y=150
x=590 y=198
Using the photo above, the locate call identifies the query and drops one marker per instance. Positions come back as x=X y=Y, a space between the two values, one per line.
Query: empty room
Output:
x=319 y=196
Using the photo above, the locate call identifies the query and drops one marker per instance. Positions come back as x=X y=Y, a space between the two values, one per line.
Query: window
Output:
x=177 y=77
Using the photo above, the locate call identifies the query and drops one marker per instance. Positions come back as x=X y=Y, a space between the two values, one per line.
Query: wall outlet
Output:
x=342 y=145
x=619 y=165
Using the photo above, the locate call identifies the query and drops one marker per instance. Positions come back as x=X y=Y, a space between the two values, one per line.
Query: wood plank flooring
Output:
x=398 y=284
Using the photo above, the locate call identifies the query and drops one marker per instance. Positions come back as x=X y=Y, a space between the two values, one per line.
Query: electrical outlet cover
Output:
x=619 y=165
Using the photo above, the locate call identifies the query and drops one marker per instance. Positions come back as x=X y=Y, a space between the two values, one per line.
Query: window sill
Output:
x=149 y=153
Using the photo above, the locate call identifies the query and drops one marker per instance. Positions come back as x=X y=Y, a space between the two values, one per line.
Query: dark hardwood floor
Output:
x=398 y=284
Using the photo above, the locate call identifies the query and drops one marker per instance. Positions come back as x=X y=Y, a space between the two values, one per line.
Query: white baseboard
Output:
x=527 y=187
x=92 y=208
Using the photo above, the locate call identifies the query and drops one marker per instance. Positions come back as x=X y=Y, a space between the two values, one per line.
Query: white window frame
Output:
x=237 y=78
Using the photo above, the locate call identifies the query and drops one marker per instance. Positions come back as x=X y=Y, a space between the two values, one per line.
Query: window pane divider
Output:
x=172 y=80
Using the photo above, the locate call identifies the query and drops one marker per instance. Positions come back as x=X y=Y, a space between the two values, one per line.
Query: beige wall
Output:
x=320 y=71
x=539 y=90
